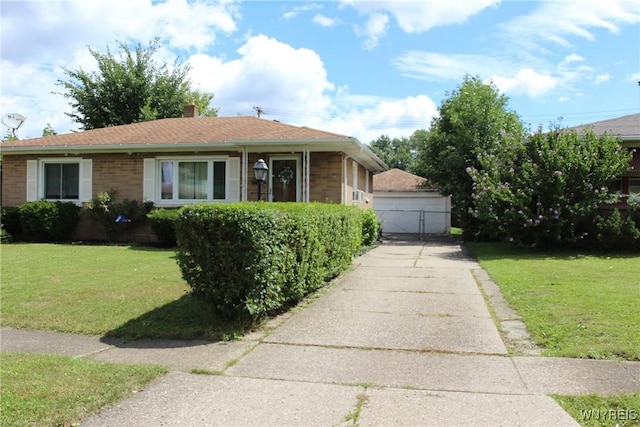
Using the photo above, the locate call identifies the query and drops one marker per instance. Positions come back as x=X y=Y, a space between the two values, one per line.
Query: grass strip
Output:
x=594 y=410
x=45 y=389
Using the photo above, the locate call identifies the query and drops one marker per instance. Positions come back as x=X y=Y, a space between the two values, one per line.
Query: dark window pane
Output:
x=219 y=180
x=192 y=180
x=52 y=178
x=70 y=181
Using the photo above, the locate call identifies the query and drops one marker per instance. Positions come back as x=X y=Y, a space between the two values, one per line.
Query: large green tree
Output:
x=400 y=153
x=130 y=86
x=472 y=120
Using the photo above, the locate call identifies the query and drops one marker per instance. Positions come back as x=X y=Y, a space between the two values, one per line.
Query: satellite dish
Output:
x=13 y=121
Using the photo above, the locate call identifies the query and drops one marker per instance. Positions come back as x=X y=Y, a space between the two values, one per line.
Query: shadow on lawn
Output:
x=186 y=319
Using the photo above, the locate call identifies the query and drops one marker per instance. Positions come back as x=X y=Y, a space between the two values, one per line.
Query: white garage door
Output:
x=413 y=212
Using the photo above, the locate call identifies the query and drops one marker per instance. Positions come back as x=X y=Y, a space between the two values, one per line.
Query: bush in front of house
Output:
x=44 y=221
x=251 y=259
x=545 y=191
x=10 y=223
x=111 y=213
x=163 y=224
x=370 y=227
x=617 y=233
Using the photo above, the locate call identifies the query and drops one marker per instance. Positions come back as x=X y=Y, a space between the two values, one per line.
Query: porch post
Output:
x=306 y=164
x=245 y=174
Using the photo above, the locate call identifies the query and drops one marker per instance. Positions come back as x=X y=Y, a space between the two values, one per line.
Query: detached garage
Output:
x=406 y=204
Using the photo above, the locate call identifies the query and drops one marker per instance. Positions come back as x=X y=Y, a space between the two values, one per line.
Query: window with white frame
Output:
x=64 y=179
x=61 y=181
x=184 y=180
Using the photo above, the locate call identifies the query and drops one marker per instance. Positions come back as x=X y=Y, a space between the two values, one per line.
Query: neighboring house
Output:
x=405 y=203
x=172 y=162
x=627 y=128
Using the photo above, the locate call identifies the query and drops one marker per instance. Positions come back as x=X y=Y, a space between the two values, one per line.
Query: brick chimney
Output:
x=191 y=110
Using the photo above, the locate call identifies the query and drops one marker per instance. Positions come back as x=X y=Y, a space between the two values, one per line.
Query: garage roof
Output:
x=399 y=180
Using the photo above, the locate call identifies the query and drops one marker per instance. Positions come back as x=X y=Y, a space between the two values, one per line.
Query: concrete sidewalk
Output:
x=405 y=338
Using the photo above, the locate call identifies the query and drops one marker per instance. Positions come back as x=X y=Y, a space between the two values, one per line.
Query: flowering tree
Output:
x=543 y=191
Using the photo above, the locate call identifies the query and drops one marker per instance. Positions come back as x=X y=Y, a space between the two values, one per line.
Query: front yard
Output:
x=131 y=292
x=574 y=305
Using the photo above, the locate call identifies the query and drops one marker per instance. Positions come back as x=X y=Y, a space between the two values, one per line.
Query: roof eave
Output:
x=112 y=148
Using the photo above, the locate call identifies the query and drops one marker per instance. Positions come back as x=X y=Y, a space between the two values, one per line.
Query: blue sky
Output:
x=359 y=68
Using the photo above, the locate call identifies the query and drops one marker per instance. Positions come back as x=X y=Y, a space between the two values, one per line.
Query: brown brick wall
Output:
x=325 y=178
x=14 y=180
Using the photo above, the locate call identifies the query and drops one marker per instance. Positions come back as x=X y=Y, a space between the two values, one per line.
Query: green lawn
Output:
x=603 y=411
x=127 y=291
x=44 y=389
x=574 y=305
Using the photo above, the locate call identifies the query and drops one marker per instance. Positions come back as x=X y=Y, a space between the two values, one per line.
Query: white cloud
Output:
x=40 y=37
x=267 y=73
x=38 y=30
x=325 y=21
x=560 y=21
x=373 y=30
x=420 y=16
x=602 y=78
x=443 y=67
x=395 y=118
x=296 y=10
x=291 y=85
x=526 y=82
x=633 y=77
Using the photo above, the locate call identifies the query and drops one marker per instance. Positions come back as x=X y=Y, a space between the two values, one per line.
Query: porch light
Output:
x=260 y=171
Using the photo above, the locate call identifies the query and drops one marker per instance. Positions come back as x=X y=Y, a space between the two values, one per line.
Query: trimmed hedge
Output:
x=43 y=221
x=163 y=225
x=10 y=222
x=250 y=259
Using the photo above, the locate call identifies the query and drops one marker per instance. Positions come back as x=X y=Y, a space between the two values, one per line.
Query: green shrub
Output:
x=43 y=221
x=106 y=211
x=370 y=227
x=250 y=259
x=163 y=225
x=617 y=233
x=10 y=221
x=5 y=236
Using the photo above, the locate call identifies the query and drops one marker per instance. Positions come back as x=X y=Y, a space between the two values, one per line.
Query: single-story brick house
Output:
x=627 y=128
x=172 y=162
x=406 y=203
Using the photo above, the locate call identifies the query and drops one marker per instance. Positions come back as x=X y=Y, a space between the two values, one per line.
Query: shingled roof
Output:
x=626 y=127
x=197 y=134
x=399 y=180
x=210 y=130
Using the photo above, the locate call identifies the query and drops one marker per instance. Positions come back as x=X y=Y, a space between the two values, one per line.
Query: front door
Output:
x=285 y=183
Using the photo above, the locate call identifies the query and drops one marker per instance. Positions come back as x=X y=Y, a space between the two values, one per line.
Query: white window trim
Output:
x=84 y=178
x=156 y=185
